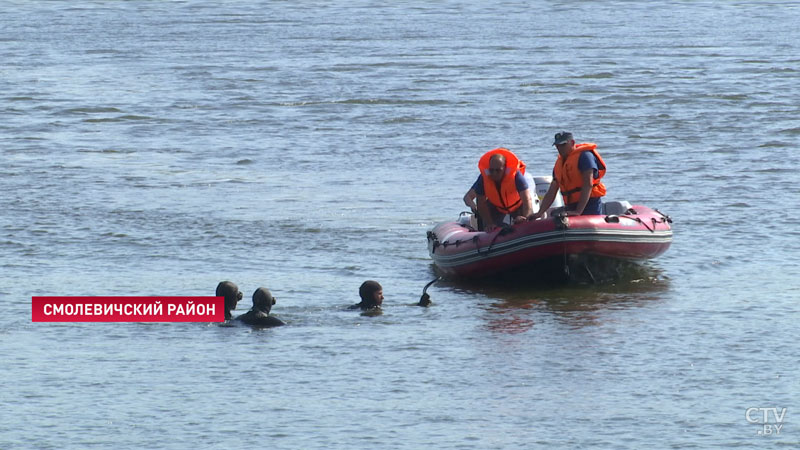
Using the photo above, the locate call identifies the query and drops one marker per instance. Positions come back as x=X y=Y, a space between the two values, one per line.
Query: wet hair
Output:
x=263 y=299
x=230 y=292
x=367 y=292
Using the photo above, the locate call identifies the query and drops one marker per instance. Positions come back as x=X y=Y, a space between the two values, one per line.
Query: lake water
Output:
x=157 y=148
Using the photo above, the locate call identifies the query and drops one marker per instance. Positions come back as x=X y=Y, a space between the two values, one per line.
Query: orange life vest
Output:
x=506 y=199
x=569 y=176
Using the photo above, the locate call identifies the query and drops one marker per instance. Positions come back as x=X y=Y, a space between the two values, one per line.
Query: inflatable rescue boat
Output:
x=624 y=231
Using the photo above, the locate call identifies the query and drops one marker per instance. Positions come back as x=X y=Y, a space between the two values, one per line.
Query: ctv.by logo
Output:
x=761 y=416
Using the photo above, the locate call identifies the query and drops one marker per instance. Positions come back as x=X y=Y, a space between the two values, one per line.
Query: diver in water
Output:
x=231 y=293
x=371 y=293
x=258 y=316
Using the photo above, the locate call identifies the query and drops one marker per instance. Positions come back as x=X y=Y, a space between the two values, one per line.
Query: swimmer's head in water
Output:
x=263 y=299
x=231 y=293
x=371 y=293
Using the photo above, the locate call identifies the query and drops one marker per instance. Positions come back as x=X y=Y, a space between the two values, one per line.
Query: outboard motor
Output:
x=537 y=200
x=542 y=185
x=468 y=220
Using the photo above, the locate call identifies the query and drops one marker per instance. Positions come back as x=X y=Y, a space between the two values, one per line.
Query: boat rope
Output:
x=615 y=219
x=503 y=231
x=664 y=217
x=434 y=241
x=652 y=230
x=562 y=222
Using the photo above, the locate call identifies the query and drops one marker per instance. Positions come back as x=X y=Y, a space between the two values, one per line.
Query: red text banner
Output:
x=128 y=309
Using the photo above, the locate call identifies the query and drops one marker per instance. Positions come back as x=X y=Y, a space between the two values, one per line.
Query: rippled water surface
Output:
x=156 y=148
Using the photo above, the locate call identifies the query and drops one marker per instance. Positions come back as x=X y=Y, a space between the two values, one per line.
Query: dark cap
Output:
x=562 y=137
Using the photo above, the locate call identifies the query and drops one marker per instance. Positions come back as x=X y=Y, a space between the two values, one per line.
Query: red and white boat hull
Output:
x=641 y=233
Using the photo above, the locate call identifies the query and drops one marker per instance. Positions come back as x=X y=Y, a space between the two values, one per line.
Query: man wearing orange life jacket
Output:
x=502 y=189
x=577 y=173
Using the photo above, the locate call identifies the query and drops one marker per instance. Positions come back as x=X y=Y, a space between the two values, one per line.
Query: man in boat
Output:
x=230 y=292
x=371 y=293
x=501 y=189
x=577 y=173
x=469 y=200
x=259 y=316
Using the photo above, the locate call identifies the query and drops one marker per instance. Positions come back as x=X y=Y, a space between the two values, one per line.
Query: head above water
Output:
x=230 y=292
x=497 y=167
x=371 y=293
x=263 y=299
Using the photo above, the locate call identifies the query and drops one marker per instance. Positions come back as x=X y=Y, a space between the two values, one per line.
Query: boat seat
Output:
x=616 y=208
